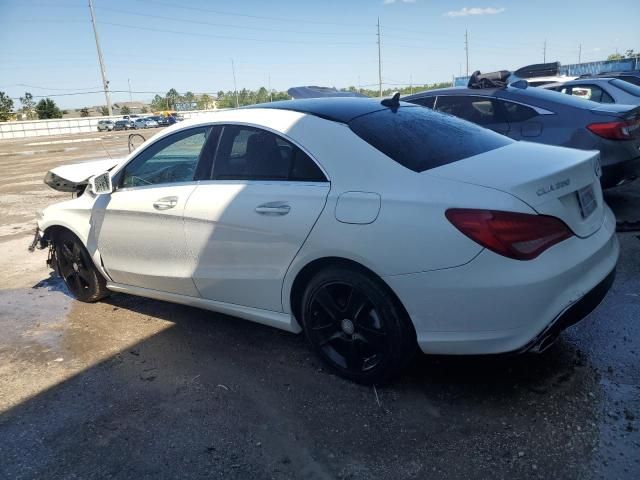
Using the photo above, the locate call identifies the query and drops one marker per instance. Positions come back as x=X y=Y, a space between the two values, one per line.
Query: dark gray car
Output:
x=545 y=116
x=601 y=90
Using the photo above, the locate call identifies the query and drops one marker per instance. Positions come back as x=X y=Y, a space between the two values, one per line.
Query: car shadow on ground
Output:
x=213 y=394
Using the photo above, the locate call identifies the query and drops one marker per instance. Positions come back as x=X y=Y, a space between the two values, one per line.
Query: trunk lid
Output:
x=74 y=177
x=628 y=112
x=556 y=181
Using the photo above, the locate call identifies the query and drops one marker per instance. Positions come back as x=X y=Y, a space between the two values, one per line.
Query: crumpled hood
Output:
x=71 y=178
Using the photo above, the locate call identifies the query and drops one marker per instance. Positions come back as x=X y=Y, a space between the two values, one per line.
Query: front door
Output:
x=248 y=222
x=139 y=227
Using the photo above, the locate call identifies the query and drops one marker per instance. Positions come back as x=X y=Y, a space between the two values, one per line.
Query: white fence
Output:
x=60 y=126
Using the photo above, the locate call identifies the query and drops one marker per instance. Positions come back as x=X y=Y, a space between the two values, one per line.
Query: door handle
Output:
x=273 y=208
x=165 y=203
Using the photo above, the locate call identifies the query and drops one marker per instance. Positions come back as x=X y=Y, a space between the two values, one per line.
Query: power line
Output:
x=213 y=24
x=208 y=35
x=258 y=17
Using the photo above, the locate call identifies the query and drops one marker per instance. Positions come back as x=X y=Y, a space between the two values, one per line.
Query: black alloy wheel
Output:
x=355 y=325
x=76 y=268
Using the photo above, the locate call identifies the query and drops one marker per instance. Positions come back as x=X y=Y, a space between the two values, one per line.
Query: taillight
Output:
x=520 y=236
x=620 y=130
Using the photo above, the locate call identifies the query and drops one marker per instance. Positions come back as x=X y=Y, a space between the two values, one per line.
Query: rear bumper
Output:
x=571 y=315
x=619 y=173
x=497 y=305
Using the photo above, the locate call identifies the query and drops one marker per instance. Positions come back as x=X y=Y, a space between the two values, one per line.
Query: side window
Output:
x=246 y=153
x=480 y=110
x=170 y=160
x=591 y=92
x=516 y=112
x=425 y=101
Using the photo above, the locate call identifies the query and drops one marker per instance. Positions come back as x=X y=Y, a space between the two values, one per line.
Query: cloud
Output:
x=465 y=11
x=389 y=2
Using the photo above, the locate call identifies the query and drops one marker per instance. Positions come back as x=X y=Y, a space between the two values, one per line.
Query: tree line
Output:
x=45 y=108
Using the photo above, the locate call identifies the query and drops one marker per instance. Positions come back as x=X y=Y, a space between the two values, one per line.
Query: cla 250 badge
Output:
x=554 y=186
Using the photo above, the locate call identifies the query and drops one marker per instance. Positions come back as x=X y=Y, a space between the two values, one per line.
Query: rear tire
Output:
x=75 y=266
x=355 y=325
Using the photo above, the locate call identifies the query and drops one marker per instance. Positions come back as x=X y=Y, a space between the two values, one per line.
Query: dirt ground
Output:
x=136 y=388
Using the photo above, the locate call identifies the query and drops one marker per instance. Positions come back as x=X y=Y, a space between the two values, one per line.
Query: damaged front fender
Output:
x=75 y=177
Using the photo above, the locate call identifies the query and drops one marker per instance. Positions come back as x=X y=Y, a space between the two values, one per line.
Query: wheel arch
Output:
x=305 y=274
x=49 y=232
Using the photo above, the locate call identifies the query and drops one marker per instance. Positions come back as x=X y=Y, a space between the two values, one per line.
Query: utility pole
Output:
x=544 y=51
x=579 y=53
x=103 y=70
x=235 y=87
x=129 y=82
x=466 y=48
x=379 y=61
x=270 y=91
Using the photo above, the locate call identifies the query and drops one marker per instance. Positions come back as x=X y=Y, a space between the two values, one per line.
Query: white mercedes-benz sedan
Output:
x=374 y=227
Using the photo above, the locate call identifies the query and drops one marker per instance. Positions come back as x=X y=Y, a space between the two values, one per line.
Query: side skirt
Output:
x=280 y=320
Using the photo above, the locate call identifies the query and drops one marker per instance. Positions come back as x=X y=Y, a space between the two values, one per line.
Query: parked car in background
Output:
x=105 y=125
x=151 y=122
x=122 y=125
x=166 y=120
x=601 y=90
x=156 y=118
x=544 y=116
x=632 y=76
x=139 y=123
x=131 y=117
x=145 y=122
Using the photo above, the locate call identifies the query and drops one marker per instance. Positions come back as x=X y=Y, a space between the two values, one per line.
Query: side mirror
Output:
x=100 y=184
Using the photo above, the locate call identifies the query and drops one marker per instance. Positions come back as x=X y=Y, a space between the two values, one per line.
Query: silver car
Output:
x=544 y=116
x=105 y=125
x=601 y=90
x=144 y=123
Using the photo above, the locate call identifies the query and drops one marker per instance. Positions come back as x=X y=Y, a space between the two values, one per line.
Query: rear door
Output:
x=478 y=109
x=524 y=120
x=246 y=224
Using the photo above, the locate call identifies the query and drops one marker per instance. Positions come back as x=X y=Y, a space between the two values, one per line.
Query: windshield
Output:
x=420 y=139
x=625 y=86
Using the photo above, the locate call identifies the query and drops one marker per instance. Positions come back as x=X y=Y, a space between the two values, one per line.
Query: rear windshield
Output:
x=626 y=86
x=420 y=139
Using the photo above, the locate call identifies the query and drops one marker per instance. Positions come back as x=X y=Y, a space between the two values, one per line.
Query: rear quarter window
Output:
x=421 y=139
x=625 y=86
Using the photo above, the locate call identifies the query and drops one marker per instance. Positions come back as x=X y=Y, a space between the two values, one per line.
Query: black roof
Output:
x=337 y=109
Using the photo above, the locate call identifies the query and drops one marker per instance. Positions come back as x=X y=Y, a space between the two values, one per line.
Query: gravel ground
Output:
x=136 y=388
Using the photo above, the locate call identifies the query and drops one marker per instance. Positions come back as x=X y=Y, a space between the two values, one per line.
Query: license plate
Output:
x=587 y=201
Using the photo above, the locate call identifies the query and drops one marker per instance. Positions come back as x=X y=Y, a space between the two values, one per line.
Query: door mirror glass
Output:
x=100 y=184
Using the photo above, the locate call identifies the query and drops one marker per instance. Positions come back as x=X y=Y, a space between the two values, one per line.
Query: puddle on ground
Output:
x=47 y=337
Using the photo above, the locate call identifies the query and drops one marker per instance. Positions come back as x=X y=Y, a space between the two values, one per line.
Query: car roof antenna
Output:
x=393 y=103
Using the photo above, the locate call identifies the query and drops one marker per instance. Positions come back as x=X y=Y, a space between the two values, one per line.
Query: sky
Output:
x=48 y=47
